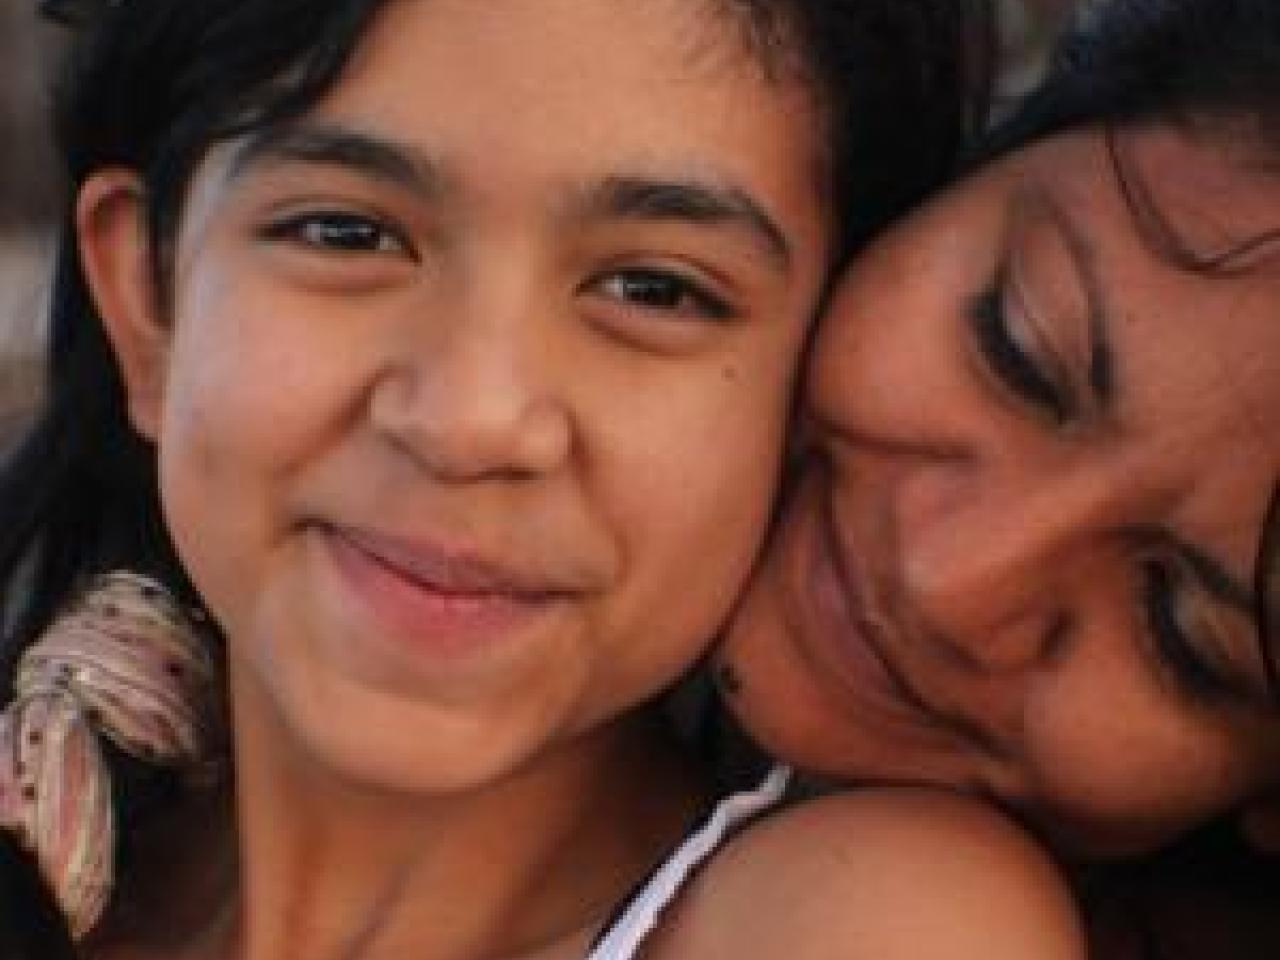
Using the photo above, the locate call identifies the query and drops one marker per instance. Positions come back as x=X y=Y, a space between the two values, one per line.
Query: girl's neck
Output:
x=536 y=860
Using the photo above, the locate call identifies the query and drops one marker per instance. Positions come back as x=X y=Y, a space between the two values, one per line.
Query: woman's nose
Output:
x=995 y=570
x=477 y=398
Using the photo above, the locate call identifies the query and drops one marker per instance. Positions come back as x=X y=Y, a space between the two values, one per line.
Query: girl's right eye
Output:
x=338 y=232
x=659 y=307
x=1011 y=363
x=663 y=293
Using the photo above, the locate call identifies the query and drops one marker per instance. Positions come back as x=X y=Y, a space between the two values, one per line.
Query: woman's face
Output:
x=470 y=409
x=1021 y=556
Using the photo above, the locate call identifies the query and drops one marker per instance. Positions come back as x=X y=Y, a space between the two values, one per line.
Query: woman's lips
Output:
x=445 y=602
x=841 y=637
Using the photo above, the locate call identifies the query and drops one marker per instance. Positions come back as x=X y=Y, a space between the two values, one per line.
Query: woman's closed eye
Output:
x=339 y=232
x=1200 y=667
x=1006 y=350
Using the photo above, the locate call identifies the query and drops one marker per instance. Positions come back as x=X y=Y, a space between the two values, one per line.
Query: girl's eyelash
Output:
x=337 y=231
x=666 y=291
x=1195 y=675
x=1009 y=361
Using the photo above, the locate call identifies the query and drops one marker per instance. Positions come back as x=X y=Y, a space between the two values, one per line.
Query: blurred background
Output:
x=29 y=194
x=30 y=191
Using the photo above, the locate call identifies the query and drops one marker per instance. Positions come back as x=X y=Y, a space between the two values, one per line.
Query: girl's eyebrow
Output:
x=640 y=197
x=692 y=200
x=323 y=144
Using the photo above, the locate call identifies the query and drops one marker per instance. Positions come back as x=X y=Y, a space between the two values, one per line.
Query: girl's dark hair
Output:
x=152 y=84
x=905 y=87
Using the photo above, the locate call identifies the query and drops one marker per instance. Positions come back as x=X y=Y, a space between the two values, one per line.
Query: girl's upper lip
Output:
x=461 y=570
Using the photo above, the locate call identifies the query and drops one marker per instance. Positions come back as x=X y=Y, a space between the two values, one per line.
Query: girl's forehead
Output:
x=510 y=90
x=697 y=34
x=637 y=64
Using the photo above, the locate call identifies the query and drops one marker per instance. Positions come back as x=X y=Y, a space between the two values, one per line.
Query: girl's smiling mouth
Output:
x=444 y=601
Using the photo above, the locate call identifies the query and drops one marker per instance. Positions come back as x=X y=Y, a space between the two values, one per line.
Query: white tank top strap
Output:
x=639 y=915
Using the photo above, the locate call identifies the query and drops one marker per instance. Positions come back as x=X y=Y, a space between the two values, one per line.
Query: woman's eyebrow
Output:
x=1170 y=244
x=1214 y=576
x=331 y=145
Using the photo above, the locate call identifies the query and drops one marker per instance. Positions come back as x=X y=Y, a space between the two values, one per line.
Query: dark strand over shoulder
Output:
x=36 y=928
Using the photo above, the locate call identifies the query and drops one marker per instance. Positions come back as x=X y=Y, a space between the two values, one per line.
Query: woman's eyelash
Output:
x=337 y=231
x=1199 y=678
x=1009 y=361
x=664 y=291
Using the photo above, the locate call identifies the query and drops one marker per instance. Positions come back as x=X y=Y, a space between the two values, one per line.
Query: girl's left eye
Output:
x=662 y=291
x=338 y=232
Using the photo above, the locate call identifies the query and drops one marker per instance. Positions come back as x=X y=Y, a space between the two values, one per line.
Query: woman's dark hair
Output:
x=152 y=84
x=1135 y=61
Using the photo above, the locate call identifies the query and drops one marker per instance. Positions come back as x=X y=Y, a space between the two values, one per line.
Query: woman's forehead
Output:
x=1204 y=193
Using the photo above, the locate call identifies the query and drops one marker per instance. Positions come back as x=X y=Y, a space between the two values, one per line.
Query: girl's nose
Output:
x=476 y=400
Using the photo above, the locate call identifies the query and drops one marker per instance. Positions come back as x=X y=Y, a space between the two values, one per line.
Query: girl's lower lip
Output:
x=440 y=622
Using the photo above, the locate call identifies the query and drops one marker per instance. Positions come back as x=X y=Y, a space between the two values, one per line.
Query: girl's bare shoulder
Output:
x=878 y=873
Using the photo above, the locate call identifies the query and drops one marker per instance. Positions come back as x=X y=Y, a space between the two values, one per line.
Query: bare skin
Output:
x=886 y=873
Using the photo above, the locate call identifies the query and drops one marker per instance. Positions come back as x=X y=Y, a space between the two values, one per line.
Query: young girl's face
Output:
x=470 y=404
x=1025 y=559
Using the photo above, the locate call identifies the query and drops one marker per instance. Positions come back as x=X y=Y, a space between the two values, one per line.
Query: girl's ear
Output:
x=1259 y=822
x=115 y=254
